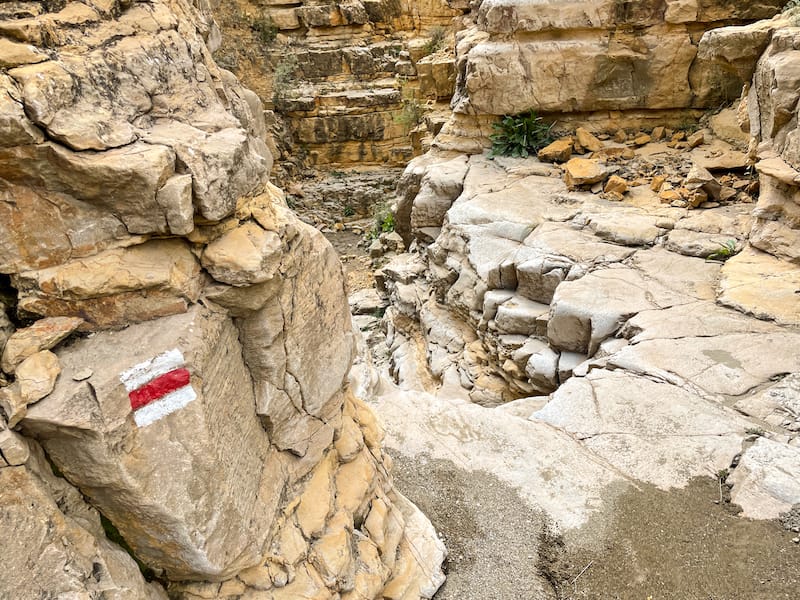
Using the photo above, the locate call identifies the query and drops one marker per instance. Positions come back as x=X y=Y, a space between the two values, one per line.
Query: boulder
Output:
x=54 y=544
x=44 y=334
x=765 y=483
x=144 y=431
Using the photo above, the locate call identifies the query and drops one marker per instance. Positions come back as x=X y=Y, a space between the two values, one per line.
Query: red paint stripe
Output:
x=158 y=388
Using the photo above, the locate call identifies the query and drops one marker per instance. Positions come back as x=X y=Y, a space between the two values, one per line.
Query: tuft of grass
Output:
x=726 y=250
x=265 y=28
x=520 y=135
x=436 y=40
x=411 y=115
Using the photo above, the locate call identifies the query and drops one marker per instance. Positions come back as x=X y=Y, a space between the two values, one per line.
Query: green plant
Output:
x=384 y=221
x=520 y=135
x=726 y=250
x=348 y=211
x=265 y=28
x=411 y=115
x=387 y=224
x=435 y=41
x=283 y=77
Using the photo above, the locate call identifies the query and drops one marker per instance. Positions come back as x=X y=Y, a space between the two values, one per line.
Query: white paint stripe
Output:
x=161 y=408
x=140 y=374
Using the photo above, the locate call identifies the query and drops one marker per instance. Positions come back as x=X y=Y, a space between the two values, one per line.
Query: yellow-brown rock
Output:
x=558 y=151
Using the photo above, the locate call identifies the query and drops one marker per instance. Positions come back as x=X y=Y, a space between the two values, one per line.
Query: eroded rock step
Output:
x=581 y=350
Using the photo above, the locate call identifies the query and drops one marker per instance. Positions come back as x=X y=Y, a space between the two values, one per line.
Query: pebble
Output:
x=84 y=373
x=796 y=540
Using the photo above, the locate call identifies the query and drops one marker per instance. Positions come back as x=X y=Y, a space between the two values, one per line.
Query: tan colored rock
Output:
x=587 y=140
x=332 y=555
x=244 y=256
x=657 y=182
x=36 y=376
x=117 y=286
x=763 y=483
x=620 y=136
x=60 y=549
x=759 y=284
x=658 y=133
x=14 y=450
x=616 y=184
x=12 y=404
x=190 y=529
x=13 y=54
x=582 y=171
x=558 y=151
x=44 y=334
x=642 y=139
x=696 y=139
x=354 y=482
x=349 y=440
x=316 y=503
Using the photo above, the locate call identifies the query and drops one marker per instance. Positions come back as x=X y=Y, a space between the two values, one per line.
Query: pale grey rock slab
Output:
x=651 y=431
x=766 y=482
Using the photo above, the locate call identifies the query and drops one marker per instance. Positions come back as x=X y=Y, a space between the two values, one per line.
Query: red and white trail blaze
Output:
x=158 y=387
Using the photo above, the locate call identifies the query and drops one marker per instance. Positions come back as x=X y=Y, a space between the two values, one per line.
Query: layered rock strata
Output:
x=196 y=433
x=611 y=64
x=612 y=315
x=349 y=79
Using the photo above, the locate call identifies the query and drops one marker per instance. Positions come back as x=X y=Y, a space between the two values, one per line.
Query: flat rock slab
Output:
x=552 y=471
x=765 y=483
x=650 y=431
x=759 y=284
x=728 y=365
x=590 y=309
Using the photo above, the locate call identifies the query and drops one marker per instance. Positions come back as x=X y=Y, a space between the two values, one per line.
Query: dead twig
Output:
x=591 y=562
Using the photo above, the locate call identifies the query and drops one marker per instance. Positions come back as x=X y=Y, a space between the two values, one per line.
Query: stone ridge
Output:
x=137 y=223
x=601 y=61
x=345 y=79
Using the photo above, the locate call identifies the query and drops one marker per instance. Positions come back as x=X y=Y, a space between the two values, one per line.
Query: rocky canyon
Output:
x=294 y=306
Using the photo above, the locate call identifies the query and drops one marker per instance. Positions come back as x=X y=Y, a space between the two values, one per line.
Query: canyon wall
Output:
x=176 y=408
x=604 y=63
x=348 y=81
x=626 y=296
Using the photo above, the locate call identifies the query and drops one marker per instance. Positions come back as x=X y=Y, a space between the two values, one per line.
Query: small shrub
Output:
x=384 y=221
x=520 y=135
x=725 y=251
x=348 y=211
x=283 y=77
x=266 y=29
x=411 y=115
x=435 y=41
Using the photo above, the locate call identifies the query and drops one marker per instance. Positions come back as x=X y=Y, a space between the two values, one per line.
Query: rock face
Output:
x=200 y=403
x=627 y=62
x=349 y=81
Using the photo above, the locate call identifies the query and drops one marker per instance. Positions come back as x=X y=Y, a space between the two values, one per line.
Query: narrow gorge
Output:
x=381 y=299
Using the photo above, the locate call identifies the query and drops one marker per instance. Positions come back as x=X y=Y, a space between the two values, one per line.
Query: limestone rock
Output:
x=140 y=457
x=49 y=548
x=590 y=309
x=663 y=421
x=582 y=171
x=44 y=334
x=558 y=151
x=757 y=283
x=764 y=483
x=587 y=140
x=117 y=286
x=36 y=376
x=244 y=256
